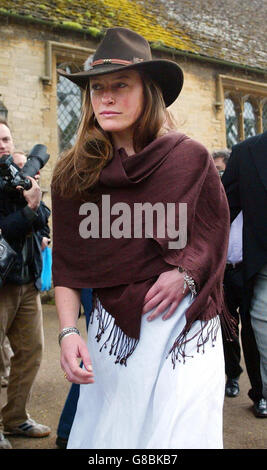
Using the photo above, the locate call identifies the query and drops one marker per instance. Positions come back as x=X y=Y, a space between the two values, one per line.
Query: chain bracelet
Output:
x=188 y=282
x=70 y=330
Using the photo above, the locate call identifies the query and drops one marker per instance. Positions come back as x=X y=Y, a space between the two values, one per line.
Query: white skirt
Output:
x=149 y=404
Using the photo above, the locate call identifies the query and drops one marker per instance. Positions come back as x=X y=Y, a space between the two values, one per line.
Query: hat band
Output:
x=115 y=61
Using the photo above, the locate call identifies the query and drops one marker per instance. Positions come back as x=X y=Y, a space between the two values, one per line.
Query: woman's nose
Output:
x=107 y=98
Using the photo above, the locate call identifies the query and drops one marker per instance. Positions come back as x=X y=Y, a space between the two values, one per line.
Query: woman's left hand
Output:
x=165 y=294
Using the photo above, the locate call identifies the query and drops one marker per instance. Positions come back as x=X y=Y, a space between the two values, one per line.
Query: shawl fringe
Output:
x=121 y=345
x=207 y=331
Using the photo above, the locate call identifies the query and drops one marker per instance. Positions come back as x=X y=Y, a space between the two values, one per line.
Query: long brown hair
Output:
x=78 y=169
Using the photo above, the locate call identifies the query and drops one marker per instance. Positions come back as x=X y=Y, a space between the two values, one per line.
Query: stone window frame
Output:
x=62 y=52
x=240 y=90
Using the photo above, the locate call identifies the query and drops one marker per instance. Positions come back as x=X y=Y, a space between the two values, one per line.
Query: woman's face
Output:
x=117 y=100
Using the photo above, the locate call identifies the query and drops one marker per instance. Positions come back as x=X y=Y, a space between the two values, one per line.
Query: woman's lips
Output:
x=109 y=113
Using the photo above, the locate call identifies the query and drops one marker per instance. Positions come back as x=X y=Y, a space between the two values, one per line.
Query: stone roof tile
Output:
x=229 y=30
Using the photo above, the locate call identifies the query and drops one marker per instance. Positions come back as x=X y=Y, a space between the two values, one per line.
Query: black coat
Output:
x=16 y=222
x=245 y=183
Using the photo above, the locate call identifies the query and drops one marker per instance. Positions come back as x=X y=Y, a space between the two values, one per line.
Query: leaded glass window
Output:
x=245 y=106
x=69 y=99
x=264 y=117
x=231 y=122
x=249 y=120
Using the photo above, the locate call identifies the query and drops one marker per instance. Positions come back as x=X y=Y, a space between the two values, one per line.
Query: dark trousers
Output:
x=233 y=288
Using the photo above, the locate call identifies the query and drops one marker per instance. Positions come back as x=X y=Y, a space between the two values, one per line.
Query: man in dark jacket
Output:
x=245 y=182
x=22 y=217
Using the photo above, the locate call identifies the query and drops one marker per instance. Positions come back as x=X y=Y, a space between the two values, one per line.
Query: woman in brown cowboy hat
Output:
x=141 y=217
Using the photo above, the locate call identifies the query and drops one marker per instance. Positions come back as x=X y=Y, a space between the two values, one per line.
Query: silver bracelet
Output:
x=188 y=282
x=70 y=330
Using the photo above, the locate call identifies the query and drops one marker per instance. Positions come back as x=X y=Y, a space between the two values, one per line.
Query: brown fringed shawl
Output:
x=172 y=169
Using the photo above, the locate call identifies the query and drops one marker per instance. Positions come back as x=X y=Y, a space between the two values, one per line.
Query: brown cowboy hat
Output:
x=123 y=49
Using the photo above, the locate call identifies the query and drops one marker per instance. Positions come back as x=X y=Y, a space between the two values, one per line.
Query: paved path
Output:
x=241 y=429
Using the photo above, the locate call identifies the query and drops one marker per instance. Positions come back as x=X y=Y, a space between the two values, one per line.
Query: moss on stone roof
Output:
x=95 y=16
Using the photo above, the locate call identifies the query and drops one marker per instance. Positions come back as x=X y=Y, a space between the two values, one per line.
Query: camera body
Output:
x=12 y=176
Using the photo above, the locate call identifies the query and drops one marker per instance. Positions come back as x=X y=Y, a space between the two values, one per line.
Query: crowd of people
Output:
x=155 y=297
x=24 y=225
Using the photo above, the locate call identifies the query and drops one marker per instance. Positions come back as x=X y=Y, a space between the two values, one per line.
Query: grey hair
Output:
x=225 y=154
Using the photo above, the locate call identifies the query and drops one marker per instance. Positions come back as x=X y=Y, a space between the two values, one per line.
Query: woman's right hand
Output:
x=73 y=347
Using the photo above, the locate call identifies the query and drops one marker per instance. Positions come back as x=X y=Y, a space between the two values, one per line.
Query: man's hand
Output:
x=33 y=195
x=45 y=243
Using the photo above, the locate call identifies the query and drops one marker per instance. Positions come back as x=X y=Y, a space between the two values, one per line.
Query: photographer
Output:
x=22 y=216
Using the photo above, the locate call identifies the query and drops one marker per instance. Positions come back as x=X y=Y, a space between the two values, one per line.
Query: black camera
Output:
x=12 y=176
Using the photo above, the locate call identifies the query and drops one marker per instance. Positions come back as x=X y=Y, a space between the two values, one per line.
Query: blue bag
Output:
x=46 y=276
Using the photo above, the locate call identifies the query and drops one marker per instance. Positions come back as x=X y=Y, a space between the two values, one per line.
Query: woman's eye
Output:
x=122 y=85
x=119 y=85
x=100 y=87
x=96 y=86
